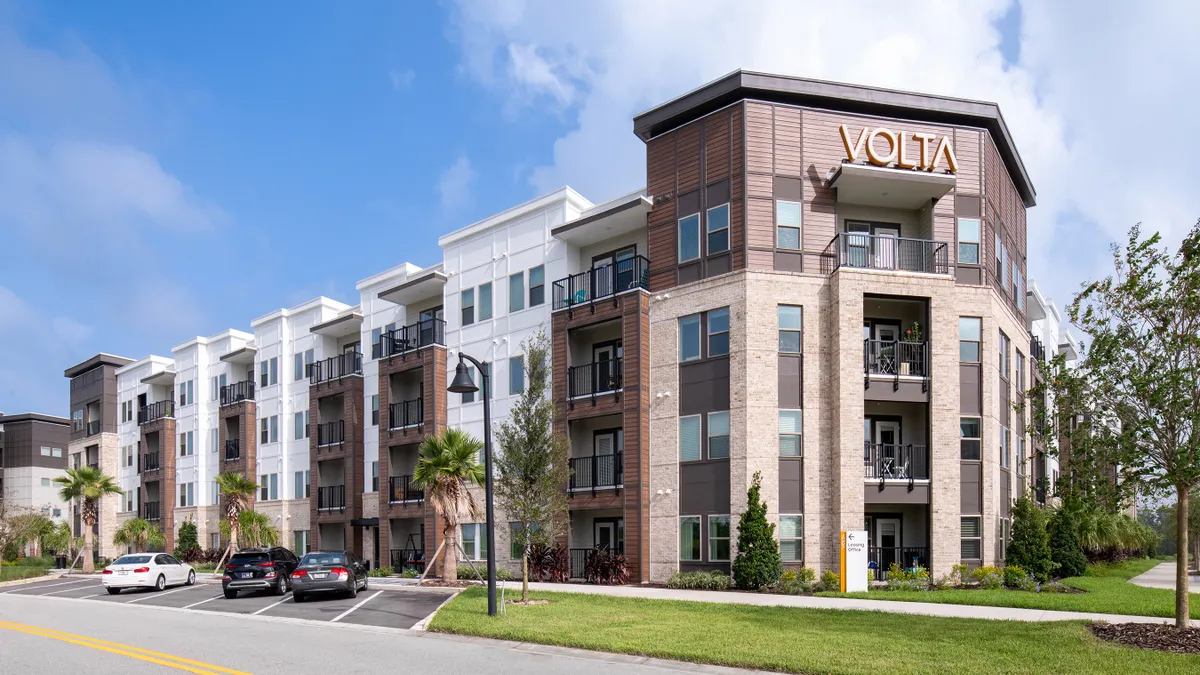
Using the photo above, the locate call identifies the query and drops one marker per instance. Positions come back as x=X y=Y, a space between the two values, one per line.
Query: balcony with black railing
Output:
x=895 y=358
x=406 y=414
x=331 y=433
x=860 y=250
x=410 y=338
x=150 y=462
x=1037 y=351
x=597 y=377
x=331 y=498
x=151 y=511
x=596 y=472
x=881 y=558
x=580 y=556
x=401 y=489
x=156 y=411
x=886 y=462
x=233 y=450
x=335 y=367
x=404 y=559
x=93 y=428
x=602 y=282
x=237 y=392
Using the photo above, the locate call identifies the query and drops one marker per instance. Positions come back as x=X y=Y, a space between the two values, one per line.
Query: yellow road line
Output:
x=125 y=650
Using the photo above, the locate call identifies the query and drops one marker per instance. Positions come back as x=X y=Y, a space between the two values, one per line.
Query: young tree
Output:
x=139 y=534
x=1065 y=551
x=531 y=467
x=88 y=484
x=757 y=564
x=17 y=524
x=1144 y=324
x=255 y=530
x=187 y=544
x=237 y=491
x=446 y=468
x=1029 y=546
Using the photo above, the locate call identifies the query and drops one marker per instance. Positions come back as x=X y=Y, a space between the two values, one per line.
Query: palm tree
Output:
x=255 y=529
x=446 y=467
x=238 y=491
x=139 y=534
x=90 y=485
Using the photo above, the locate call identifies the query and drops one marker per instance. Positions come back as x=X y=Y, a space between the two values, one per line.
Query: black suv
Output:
x=257 y=569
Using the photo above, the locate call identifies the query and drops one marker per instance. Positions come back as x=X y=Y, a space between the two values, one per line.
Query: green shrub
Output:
x=830 y=581
x=1064 y=545
x=1013 y=574
x=942 y=583
x=1055 y=587
x=187 y=546
x=905 y=579
x=795 y=581
x=988 y=577
x=1029 y=546
x=699 y=581
x=382 y=572
x=505 y=574
x=757 y=564
x=958 y=574
x=1028 y=583
x=410 y=573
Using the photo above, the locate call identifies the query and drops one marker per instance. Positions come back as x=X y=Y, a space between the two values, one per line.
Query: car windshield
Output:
x=313 y=559
x=248 y=558
x=132 y=560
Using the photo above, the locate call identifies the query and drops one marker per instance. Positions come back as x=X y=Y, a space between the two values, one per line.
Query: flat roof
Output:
x=33 y=417
x=744 y=84
x=100 y=359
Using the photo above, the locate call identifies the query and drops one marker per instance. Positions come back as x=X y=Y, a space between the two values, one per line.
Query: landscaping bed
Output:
x=1160 y=637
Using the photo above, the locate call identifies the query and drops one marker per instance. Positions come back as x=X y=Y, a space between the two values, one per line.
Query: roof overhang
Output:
x=339 y=327
x=1070 y=347
x=95 y=362
x=245 y=355
x=1035 y=303
x=893 y=188
x=163 y=378
x=415 y=290
x=622 y=217
x=15 y=418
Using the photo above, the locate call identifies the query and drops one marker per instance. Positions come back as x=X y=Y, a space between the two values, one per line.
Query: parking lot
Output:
x=399 y=608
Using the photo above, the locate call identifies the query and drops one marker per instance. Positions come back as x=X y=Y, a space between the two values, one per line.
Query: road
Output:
x=41 y=631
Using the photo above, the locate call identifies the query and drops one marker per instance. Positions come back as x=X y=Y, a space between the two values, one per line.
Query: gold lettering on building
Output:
x=897 y=149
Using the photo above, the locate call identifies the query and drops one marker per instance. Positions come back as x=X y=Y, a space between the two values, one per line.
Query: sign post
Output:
x=853 y=561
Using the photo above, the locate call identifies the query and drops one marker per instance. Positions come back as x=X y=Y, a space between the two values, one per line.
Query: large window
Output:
x=790 y=327
x=689 y=238
x=718 y=538
x=485 y=301
x=268 y=486
x=791 y=538
x=718 y=435
x=718 y=229
x=516 y=375
x=516 y=292
x=468 y=306
x=537 y=286
x=474 y=541
x=718 y=332
x=268 y=429
x=968 y=444
x=187 y=494
x=187 y=442
x=787 y=224
x=689 y=438
x=689 y=337
x=187 y=393
x=301 y=488
x=970 y=335
x=301 y=424
x=268 y=372
x=972 y=538
x=302 y=360
x=968 y=241
x=689 y=538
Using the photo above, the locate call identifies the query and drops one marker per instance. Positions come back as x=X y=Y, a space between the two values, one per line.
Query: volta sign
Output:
x=885 y=147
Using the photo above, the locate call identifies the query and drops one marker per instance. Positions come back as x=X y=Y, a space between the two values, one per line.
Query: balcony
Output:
x=1037 y=350
x=233 y=450
x=592 y=379
x=410 y=338
x=93 y=428
x=885 y=462
x=403 y=559
x=331 y=498
x=596 y=472
x=151 y=512
x=150 y=462
x=401 y=489
x=156 y=411
x=335 y=367
x=579 y=560
x=237 y=392
x=406 y=414
x=602 y=282
x=860 y=250
x=331 y=433
x=880 y=558
x=895 y=358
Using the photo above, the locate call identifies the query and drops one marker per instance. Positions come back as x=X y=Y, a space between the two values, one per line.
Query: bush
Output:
x=942 y=583
x=382 y=572
x=10 y=553
x=605 y=567
x=1064 y=545
x=504 y=574
x=795 y=581
x=1030 y=543
x=904 y=579
x=959 y=575
x=549 y=563
x=1055 y=587
x=187 y=546
x=988 y=577
x=1013 y=574
x=830 y=581
x=699 y=581
x=409 y=573
x=1027 y=583
x=757 y=564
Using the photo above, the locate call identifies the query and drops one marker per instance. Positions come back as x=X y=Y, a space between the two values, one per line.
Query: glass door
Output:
x=887 y=440
x=887 y=540
x=858 y=243
x=885 y=240
x=605 y=367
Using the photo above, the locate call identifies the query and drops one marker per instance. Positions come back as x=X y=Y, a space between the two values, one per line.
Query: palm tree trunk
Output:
x=89 y=566
x=450 y=553
x=1181 y=563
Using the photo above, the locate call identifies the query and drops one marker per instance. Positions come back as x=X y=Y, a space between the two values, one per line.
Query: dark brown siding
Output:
x=791 y=485
x=23 y=441
x=349 y=452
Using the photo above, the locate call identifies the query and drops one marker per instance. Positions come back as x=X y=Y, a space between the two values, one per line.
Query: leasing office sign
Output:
x=885 y=147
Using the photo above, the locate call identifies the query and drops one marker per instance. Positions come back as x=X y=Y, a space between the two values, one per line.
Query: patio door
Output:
x=858 y=244
x=613 y=272
x=608 y=534
x=887 y=541
x=886 y=241
x=887 y=442
x=884 y=339
x=606 y=445
x=604 y=364
x=428 y=325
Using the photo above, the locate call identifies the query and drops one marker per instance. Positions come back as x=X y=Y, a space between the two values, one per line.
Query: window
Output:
x=972 y=538
x=689 y=337
x=56 y=452
x=77 y=420
x=187 y=445
x=474 y=541
x=689 y=538
x=1004 y=449
x=216 y=493
x=375 y=476
x=1018 y=293
x=718 y=435
x=375 y=409
x=187 y=494
x=718 y=229
x=999 y=252
x=468 y=306
x=268 y=429
x=516 y=375
x=301 y=487
x=298 y=367
x=1019 y=368
x=1003 y=362
x=790 y=326
x=45 y=451
x=689 y=438
x=268 y=486
x=213 y=439
x=689 y=238
x=968 y=241
x=213 y=389
x=300 y=538
x=376 y=343
x=128 y=500
x=970 y=333
x=45 y=482
x=969 y=429
x=516 y=292
x=791 y=429
x=1021 y=455
x=187 y=393
x=301 y=424
x=718 y=538
x=469 y=396
x=787 y=225
x=485 y=301
x=268 y=372
x=127 y=410
x=537 y=286
x=791 y=538
x=718 y=332
x=516 y=539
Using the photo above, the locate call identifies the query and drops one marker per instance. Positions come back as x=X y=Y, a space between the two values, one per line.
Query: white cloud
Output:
x=401 y=79
x=454 y=186
x=1099 y=114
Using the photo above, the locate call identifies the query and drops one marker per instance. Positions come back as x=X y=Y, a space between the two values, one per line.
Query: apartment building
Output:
x=33 y=452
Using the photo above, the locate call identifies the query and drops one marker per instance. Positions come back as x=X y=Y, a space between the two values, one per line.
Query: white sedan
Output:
x=146 y=570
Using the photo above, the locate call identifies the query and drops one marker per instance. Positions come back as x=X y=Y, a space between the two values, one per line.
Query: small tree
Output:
x=237 y=491
x=1029 y=546
x=89 y=485
x=255 y=530
x=187 y=543
x=17 y=525
x=1065 y=551
x=531 y=467
x=757 y=564
x=446 y=468
x=138 y=533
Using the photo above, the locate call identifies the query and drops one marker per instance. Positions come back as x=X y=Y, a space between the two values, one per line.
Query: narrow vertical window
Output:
x=689 y=238
x=516 y=292
x=790 y=326
x=969 y=429
x=689 y=337
x=485 y=301
x=972 y=541
x=375 y=410
x=968 y=241
x=468 y=306
x=718 y=229
x=689 y=538
x=970 y=334
x=537 y=286
x=787 y=225
x=516 y=375
x=791 y=538
x=718 y=538
x=689 y=438
x=718 y=332
x=791 y=431
x=718 y=435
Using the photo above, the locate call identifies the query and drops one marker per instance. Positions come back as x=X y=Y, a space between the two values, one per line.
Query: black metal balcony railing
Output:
x=885 y=252
x=895 y=358
x=402 y=489
x=602 y=282
x=151 y=512
x=410 y=338
x=880 y=558
x=1036 y=349
x=594 y=378
x=236 y=392
x=331 y=497
x=335 y=367
x=233 y=450
x=331 y=433
x=596 y=472
x=150 y=462
x=93 y=428
x=886 y=462
x=406 y=414
x=408 y=559
x=579 y=559
x=156 y=411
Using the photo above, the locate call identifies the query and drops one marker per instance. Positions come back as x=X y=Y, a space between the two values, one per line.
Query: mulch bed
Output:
x=1161 y=637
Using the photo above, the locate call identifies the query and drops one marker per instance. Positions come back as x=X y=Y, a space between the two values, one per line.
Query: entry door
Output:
x=887 y=540
x=613 y=272
x=887 y=440
x=606 y=446
x=885 y=338
x=886 y=243
x=608 y=535
x=428 y=325
x=604 y=367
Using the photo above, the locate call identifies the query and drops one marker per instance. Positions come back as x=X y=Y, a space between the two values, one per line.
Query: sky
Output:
x=170 y=170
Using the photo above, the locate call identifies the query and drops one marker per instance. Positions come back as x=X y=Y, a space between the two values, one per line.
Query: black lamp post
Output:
x=463 y=384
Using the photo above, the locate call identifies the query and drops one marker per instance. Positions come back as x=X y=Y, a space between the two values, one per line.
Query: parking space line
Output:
x=33 y=587
x=156 y=595
x=346 y=613
x=64 y=590
x=194 y=604
x=289 y=597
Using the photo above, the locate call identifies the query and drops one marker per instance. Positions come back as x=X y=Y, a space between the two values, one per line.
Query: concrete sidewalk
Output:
x=1163 y=576
x=813 y=602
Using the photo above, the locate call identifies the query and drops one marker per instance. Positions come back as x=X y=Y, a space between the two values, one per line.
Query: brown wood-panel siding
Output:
x=759 y=138
x=660 y=225
x=760 y=171
x=788 y=142
x=823 y=152
x=737 y=187
x=688 y=163
x=716 y=147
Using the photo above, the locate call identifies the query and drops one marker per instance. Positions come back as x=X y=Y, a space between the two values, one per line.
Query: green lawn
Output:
x=1107 y=586
x=802 y=640
x=13 y=572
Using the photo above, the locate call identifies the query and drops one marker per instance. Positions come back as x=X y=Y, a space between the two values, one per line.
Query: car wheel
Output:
x=229 y=595
x=280 y=586
x=113 y=591
x=161 y=583
x=298 y=597
x=191 y=578
x=353 y=591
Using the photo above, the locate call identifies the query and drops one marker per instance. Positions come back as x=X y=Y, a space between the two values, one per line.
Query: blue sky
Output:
x=173 y=169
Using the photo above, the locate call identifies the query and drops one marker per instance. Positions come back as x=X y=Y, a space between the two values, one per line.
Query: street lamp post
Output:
x=463 y=384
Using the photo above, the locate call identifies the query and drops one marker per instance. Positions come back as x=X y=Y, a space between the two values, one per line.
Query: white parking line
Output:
x=64 y=590
x=289 y=597
x=156 y=595
x=346 y=613
x=203 y=601
x=38 y=588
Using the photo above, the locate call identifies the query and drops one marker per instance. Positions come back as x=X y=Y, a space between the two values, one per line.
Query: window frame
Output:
x=780 y=225
x=709 y=231
x=467 y=306
x=699 y=337
x=516 y=301
x=516 y=375
x=709 y=436
x=714 y=539
x=969 y=441
x=710 y=333
x=976 y=242
x=799 y=435
x=699 y=420
x=978 y=343
x=963 y=538
x=484 y=310
x=478 y=540
x=698 y=521
x=540 y=287
x=798 y=539
x=374 y=410
x=679 y=235
x=798 y=332
x=375 y=476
